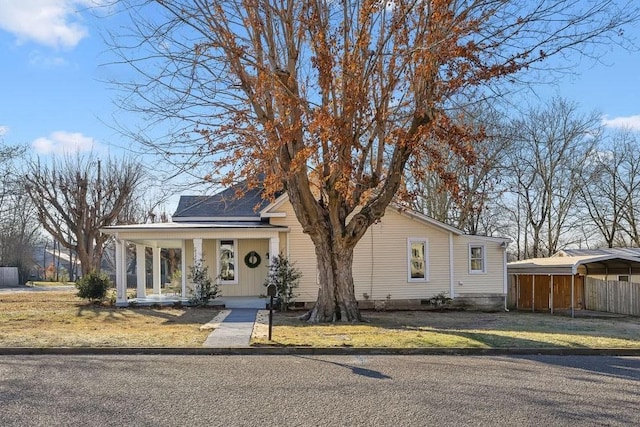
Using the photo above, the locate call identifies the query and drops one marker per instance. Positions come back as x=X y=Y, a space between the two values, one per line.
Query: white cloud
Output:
x=630 y=122
x=4 y=130
x=55 y=23
x=62 y=142
x=45 y=61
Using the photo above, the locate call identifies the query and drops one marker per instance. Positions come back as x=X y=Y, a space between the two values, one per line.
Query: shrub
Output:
x=93 y=286
x=205 y=288
x=440 y=299
x=286 y=277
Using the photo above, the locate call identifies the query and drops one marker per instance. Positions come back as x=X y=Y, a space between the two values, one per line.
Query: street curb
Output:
x=316 y=351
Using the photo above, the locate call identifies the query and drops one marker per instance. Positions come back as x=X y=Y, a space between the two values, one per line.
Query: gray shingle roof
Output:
x=225 y=204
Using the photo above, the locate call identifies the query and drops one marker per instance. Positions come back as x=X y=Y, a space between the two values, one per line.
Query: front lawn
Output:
x=411 y=329
x=60 y=319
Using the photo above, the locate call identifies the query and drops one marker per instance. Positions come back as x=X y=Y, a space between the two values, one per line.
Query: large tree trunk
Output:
x=336 y=298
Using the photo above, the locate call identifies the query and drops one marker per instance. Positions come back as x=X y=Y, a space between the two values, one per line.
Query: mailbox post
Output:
x=271 y=292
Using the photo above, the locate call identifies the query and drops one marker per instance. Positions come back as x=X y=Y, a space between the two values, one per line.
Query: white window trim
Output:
x=235 y=262
x=425 y=241
x=484 y=258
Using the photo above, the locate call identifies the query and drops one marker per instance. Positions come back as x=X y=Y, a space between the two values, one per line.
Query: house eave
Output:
x=211 y=219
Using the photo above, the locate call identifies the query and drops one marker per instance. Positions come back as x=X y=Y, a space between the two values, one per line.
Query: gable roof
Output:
x=223 y=206
x=250 y=206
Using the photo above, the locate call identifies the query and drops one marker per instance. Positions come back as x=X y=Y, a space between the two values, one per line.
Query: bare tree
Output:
x=551 y=148
x=77 y=196
x=477 y=185
x=333 y=100
x=19 y=229
x=610 y=187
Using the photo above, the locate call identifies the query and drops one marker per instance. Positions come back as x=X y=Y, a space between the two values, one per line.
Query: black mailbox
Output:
x=271 y=291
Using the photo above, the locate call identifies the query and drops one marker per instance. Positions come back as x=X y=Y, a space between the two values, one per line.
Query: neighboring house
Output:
x=558 y=282
x=403 y=260
x=45 y=256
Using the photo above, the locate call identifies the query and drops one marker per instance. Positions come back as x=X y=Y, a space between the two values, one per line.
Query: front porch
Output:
x=236 y=257
x=256 y=302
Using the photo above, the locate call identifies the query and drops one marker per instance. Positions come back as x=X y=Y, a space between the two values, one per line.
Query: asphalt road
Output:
x=319 y=390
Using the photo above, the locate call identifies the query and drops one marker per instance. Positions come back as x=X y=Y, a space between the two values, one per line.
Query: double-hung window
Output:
x=477 y=259
x=418 y=260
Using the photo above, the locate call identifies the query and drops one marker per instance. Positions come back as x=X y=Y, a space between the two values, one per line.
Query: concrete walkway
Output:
x=234 y=330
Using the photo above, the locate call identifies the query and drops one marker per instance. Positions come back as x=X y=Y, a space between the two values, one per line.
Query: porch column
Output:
x=121 y=274
x=141 y=271
x=197 y=250
x=533 y=292
x=551 y=295
x=183 y=268
x=156 y=270
x=274 y=248
x=573 y=276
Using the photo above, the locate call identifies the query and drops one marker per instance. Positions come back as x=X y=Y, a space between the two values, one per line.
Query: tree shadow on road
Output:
x=627 y=368
x=357 y=370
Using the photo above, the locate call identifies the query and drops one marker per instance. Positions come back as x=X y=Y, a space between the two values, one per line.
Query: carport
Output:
x=558 y=282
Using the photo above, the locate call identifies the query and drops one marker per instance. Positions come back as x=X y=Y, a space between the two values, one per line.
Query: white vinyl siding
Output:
x=492 y=281
x=381 y=259
x=300 y=250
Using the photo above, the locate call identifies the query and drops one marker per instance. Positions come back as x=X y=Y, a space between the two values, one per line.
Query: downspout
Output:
x=451 y=266
x=505 y=277
x=372 y=264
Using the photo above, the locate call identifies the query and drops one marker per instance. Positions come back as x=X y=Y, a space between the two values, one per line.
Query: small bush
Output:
x=93 y=286
x=285 y=276
x=440 y=299
x=205 y=288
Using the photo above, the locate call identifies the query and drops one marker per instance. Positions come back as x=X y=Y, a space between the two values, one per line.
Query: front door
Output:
x=251 y=260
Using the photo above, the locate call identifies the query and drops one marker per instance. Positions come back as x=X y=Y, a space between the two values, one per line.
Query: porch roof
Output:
x=171 y=234
x=568 y=265
x=181 y=226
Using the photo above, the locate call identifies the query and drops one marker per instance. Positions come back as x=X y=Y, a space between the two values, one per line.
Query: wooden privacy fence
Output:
x=612 y=296
x=546 y=292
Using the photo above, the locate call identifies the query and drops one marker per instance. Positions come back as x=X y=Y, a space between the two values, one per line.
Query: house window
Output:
x=227 y=261
x=624 y=278
x=477 y=262
x=418 y=260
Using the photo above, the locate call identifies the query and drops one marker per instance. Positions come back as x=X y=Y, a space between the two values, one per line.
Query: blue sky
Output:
x=55 y=99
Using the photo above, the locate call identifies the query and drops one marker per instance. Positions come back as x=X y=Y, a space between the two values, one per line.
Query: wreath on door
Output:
x=252 y=259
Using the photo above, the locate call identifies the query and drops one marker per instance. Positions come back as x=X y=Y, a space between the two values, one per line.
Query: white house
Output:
x=404 y=260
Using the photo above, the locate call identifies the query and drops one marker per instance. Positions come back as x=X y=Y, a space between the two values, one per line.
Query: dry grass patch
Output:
x=458 y=329
x=60 y=319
